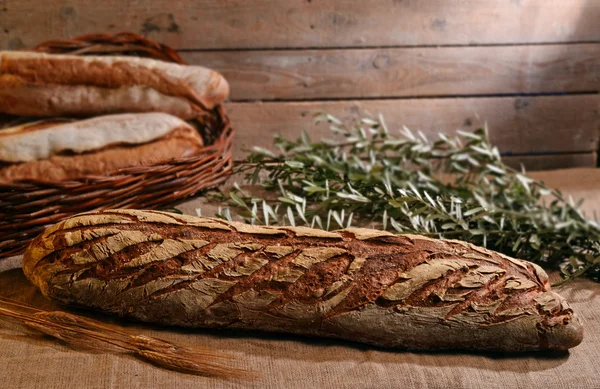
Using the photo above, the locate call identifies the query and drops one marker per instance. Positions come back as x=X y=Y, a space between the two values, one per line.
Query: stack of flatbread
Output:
x=98 y=114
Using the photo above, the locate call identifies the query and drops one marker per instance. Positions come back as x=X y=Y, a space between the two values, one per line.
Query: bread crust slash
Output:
x=401 y=291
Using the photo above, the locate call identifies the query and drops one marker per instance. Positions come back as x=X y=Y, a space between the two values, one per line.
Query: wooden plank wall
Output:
x=530 y=69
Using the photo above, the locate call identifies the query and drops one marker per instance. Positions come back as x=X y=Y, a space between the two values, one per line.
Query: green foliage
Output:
x=453 y=187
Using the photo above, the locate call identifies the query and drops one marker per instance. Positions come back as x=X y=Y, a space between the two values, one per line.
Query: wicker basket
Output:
x=26 y=208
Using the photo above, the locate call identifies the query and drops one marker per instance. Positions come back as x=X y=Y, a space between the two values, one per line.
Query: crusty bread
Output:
x=138 y=82
x=37 y=141
x=370 y=286
x=54 y=151
x=28 y=99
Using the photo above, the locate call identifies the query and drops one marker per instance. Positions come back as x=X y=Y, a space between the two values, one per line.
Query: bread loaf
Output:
x=39 y=84
x=402 y=291
x=55 y=150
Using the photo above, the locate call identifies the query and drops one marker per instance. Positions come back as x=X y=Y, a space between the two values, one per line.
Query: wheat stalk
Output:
x=93 y=335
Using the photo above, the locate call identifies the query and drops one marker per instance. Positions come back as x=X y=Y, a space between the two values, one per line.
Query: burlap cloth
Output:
x=296 y=362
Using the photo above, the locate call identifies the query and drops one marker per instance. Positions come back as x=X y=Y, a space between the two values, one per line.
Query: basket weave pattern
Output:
x=27 y=207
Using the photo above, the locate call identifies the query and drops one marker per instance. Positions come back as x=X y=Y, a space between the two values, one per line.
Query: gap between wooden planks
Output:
x=232 y=24
x=552 y=162
x=517 y=125
x=406 y=72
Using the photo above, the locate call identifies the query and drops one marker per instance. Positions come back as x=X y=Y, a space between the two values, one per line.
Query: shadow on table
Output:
x=14 y=285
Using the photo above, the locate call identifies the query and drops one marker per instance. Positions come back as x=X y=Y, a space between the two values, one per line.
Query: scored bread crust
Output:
x=202 y=87
x=371 y=286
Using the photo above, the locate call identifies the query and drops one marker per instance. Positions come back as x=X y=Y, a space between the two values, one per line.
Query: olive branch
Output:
x=454 y=187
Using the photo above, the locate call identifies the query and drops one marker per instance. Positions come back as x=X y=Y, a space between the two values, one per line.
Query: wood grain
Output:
x=204 y=24
x=370 y=73
x=517 y=125
x=551 y=162
x=387 y=52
